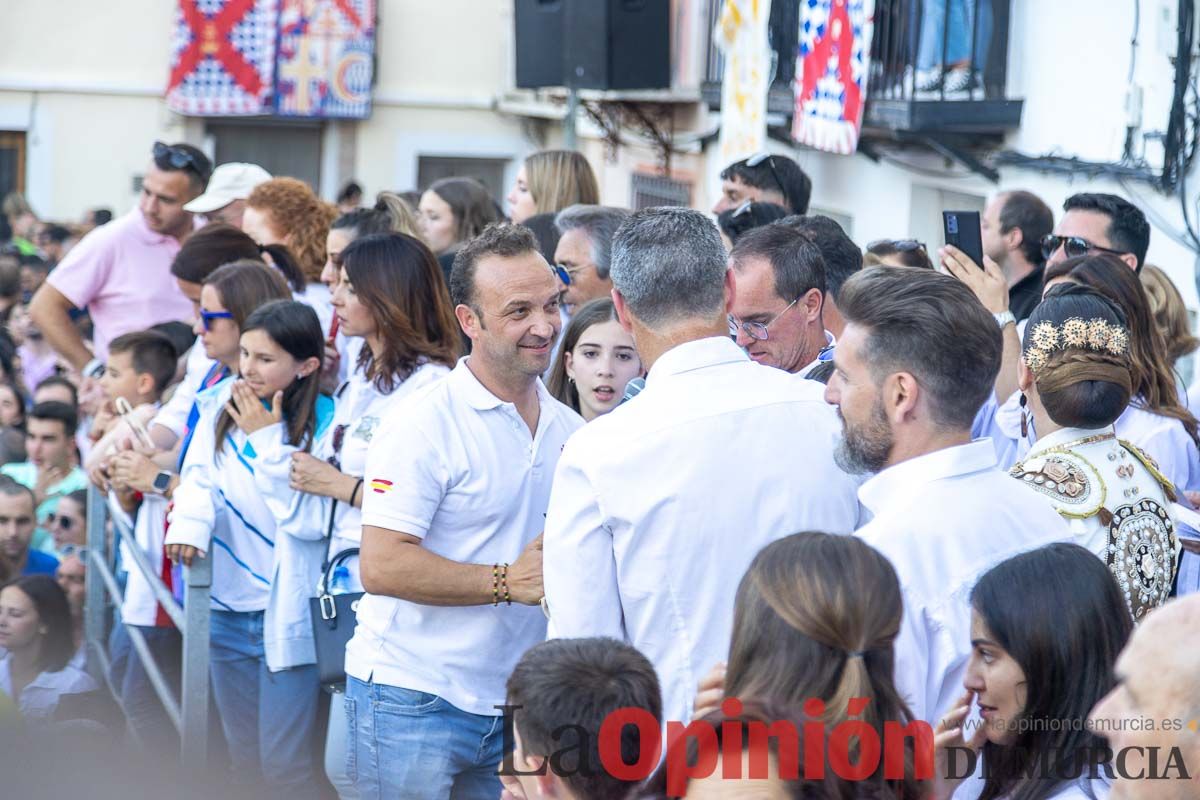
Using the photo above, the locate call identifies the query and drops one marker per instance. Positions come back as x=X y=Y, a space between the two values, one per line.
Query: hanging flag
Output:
x=831 y=73
x=326 y=58
x=223 y=57
x=742 y=36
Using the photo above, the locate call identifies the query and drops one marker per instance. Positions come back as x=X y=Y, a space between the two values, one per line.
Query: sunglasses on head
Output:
x=206 y=317
x=177 y=158
x=1073 y=246
x=758 y=158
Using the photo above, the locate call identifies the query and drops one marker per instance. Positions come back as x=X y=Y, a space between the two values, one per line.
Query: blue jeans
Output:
x=144 y=712
x=337 y=740
x=415 y=745
x=269 y=718
x=959 y=16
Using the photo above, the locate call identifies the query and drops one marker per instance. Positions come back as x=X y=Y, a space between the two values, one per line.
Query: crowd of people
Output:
x=565 y=464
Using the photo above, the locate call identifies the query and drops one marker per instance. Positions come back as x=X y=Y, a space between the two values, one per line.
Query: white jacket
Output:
x=238 y=505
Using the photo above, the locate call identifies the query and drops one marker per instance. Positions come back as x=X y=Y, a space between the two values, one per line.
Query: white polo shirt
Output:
x=457 y=467
x=660 y=506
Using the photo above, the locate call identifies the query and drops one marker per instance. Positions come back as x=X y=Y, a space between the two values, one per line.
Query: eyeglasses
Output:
x=757 y=330
x=58 y=520
x=564 y=274
x=178 y=158
x=758 y=158
x=1073 y=246
x=899 y=245
x=74 y=550
x=206 y=317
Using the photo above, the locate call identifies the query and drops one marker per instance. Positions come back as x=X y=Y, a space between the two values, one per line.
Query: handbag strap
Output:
x=329 y=535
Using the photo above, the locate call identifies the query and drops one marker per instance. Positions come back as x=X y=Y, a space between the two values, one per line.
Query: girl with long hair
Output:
x=595 y=361
x=1035 y=677
x=816 y=618
x=229 y=503
x=392 y=298
x=452 y=212
x=549 y=181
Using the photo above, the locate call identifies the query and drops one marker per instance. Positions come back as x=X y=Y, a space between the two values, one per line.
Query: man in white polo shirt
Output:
x=660 y=506
x=457 y=484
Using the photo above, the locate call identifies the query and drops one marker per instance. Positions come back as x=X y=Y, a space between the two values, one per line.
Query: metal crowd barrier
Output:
x=190 y=716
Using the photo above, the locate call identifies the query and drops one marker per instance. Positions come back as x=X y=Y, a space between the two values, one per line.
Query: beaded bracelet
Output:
x=495 y=585
x=504 y=580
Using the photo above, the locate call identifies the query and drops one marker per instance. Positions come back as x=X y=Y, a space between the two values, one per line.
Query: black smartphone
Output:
x=962 y=230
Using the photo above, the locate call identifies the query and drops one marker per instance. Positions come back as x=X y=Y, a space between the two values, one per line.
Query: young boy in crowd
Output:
x=573 y=685
x=139 y=369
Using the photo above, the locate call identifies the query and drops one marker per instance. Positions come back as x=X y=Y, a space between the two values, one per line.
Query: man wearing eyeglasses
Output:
x=765 y=178
x=121 y=272
x=584 y=252
x=1099 y=223
x=779 y=277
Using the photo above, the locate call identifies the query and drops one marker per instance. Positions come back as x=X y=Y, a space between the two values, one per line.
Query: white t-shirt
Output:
x=457 y=467
x=360 y=411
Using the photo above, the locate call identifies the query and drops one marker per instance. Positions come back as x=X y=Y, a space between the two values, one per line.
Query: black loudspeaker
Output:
x=539 y=42
x=594 y=44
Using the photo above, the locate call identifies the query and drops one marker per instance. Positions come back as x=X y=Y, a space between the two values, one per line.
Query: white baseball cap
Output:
x=229 y=182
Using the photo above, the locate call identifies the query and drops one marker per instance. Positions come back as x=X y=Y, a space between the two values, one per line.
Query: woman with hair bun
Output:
x=1076 y=381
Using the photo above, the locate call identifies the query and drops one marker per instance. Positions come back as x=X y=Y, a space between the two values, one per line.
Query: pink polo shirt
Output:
x=121 y=272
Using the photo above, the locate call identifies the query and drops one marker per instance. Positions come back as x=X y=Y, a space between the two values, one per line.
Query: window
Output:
x=12 y=162
x=292 y=148
x=488 y=171
x=649 y=191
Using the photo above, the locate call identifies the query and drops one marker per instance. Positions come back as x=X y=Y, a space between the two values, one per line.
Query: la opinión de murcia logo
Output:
x=851 y=750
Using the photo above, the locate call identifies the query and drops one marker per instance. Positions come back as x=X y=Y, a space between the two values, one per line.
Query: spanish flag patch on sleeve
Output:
x=380 y=486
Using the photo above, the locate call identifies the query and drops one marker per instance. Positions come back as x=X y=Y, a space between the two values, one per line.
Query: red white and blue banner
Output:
x=223 y=57
x=298 y=58
x=831 y=73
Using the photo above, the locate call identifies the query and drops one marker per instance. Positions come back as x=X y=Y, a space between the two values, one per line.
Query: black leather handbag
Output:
x=333 y=619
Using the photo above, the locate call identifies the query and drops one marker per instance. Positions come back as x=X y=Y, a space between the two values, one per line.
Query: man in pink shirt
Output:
x=121 y=272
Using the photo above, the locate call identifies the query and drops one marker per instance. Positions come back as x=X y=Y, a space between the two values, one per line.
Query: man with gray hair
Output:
x=658 y=506
x=584 y=253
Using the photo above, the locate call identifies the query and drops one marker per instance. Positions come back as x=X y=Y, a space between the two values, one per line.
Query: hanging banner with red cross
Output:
x=326 y=58
x=831 y=73
x=223 y=57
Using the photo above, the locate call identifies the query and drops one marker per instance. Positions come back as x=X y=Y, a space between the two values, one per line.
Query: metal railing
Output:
x=189 y=714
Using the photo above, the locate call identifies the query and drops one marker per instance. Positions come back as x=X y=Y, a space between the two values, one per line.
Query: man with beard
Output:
x=916 y=360
x=457 y=484
x=659 y=506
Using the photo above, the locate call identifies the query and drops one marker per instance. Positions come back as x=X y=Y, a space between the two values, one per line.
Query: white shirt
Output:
x=943 y=519
x=39 y=700
x=359 y=414
x=457 y=467
x=659 y=507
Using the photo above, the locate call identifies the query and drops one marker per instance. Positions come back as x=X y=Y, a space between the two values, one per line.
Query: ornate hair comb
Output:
x=1096 y=334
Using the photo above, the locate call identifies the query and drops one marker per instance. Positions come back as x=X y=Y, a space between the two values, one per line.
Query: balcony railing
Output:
x=940 y=66
x=937 y=66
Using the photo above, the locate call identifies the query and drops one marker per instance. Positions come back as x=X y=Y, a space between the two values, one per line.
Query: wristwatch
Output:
x=1005 y=318
x=161 y=481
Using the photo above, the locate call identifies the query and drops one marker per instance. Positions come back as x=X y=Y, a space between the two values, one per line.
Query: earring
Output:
x=1024 y=417
x=571 y=381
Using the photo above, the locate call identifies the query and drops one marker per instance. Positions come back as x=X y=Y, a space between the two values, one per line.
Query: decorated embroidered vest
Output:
x=1117 y=501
